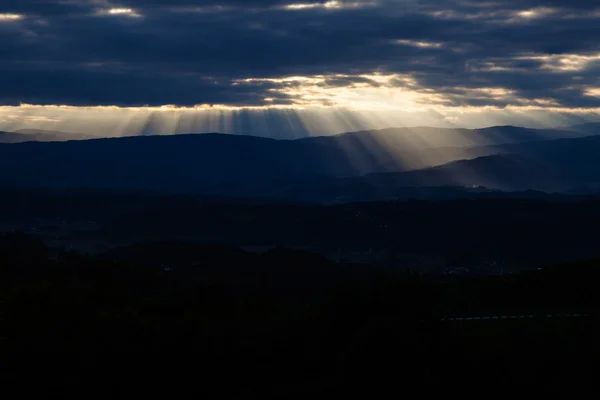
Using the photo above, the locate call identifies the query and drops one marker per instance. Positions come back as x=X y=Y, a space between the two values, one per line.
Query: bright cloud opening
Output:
x=536 y=13
x=564 y=62
x=594 y=92
x=10 y=17
x=125 y=12
x=328 y=5
x=365 y=92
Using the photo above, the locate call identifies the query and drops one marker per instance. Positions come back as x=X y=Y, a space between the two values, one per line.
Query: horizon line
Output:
x=94 y=137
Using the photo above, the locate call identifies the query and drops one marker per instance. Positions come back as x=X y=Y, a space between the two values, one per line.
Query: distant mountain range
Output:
x=426 y=136
x=40 y=135
x=589 y=128
x=367 y=165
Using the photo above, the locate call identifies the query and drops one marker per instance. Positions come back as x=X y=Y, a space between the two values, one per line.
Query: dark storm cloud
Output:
x=95 y=85
x=204 y=3
x=58 y=7
x=46 y=7
x=189 y=52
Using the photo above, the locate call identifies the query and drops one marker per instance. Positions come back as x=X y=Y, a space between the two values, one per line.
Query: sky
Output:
x=284 y=68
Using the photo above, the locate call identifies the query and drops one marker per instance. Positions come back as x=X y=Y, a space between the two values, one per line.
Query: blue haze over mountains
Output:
x=368 y=165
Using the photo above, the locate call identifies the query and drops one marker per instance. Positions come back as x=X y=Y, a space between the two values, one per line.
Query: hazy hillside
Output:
x=464 y=178
x=398 y=149
x=563 y=165
x=16 y=137
x=589 y=128
x=221 y=164
x=426 y=137
x=40 y=135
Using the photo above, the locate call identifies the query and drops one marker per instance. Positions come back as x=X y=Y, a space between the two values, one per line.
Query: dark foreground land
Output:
x=286 y=324
x=484 y=232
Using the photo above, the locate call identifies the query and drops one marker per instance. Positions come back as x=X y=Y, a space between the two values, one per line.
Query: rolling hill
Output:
x=333 y=167
x=40 y=135
x=589 y=128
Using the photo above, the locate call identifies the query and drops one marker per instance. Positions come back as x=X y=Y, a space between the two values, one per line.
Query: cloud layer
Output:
x=278 y=53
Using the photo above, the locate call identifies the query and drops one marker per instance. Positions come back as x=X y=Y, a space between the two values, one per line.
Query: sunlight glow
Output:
x=10 y=17
x=504 y=16
x=564 y=62
x=496 y=94
x=493 y=92
x=594 y=92
x=421 y=44
x=126 y=12
x=278 y=122
x=535 y=13
x=379 y=92
x=331 y=5
x=279 y=80
x=371 y=92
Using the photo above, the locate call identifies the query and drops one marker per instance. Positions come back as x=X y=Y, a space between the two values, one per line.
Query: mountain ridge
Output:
x=251 y=166
x=44 y=135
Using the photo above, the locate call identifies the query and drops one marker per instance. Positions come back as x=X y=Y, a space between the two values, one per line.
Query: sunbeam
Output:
x=277 y=122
